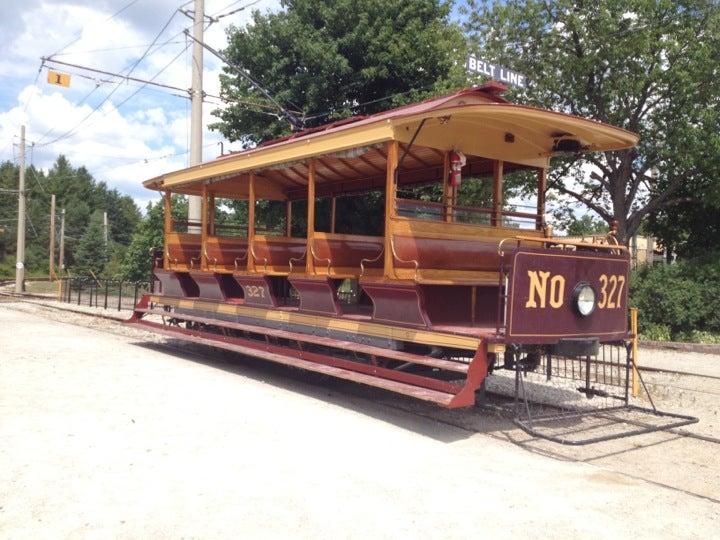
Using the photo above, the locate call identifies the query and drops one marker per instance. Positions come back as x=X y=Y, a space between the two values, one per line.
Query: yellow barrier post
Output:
x=635 y=339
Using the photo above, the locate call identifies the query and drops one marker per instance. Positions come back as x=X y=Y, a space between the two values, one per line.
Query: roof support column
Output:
x=309 y=261
x=167 y=227
x=203 y=227
x=211 y=215
x=496 y=220
x=390 y=191
x=251 y=222
x=447 y=189
x=542 y=187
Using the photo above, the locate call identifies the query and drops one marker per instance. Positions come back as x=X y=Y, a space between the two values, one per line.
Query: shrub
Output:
x=683 y=297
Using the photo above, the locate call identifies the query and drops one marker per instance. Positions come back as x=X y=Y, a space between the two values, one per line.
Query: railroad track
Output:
x=496 y=403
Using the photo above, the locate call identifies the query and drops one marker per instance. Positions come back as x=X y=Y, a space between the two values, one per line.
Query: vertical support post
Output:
x=390 y=191
x=309 y=261
x=167 y=228
x=634 y=332
x=203 y=227
x=542 y=187
x=447 y=189
x=20 y=254
x=105 y=228
x=211 y=214
x=496 y=220
x=61 y=257
x=288 y=218
x=51 y=248
x=251 y=222
x=333 y=203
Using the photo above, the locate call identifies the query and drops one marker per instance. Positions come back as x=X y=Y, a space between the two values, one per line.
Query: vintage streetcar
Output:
x=422 y=297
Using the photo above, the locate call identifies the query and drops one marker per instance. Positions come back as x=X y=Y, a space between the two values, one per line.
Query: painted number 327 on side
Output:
x=611 y=291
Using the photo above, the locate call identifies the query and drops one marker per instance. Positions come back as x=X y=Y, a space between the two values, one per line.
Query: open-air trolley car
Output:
x=424 y=297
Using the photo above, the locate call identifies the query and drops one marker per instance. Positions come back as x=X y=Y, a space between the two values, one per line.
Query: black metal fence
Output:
x=106 y=294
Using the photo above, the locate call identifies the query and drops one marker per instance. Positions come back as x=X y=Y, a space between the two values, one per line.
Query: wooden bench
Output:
x=226 y=255
x=448 y=253
x=182 y=251
x=347 y=256
x=277 y=255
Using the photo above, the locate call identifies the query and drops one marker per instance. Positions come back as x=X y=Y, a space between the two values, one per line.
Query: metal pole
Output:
x=196 y=123
x=105 y=227
x=62 y=241
x=52 y=236
x=20 y=256
x=634 y=331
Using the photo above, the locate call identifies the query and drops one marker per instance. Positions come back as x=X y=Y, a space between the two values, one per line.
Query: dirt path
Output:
x=105 y=431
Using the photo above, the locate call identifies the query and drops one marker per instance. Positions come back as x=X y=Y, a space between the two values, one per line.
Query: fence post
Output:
x=119 y=295
x=135 y=296
x=107 y=285
x=79 y=292
x=635 y=339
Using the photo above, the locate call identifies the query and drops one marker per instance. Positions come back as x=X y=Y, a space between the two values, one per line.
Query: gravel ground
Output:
x=106 y=432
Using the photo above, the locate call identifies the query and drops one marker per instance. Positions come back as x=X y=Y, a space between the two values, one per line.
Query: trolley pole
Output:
x=20 y=256
x=61 y=261
x=196 y=127
x=52 y=237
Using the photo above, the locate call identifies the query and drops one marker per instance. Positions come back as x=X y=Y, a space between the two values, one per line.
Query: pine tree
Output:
x=92 y=254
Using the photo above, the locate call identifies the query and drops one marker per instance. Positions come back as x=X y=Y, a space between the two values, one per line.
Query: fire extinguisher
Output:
x=457 y=162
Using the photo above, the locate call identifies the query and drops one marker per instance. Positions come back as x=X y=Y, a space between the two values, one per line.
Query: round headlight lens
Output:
x=584 y=299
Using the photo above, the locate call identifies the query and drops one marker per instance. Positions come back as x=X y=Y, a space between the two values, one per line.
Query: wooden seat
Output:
x=347 y=256
x=277 y=255
x=226 y=254
x=183 y=251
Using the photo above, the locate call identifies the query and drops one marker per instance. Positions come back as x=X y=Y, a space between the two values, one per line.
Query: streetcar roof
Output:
x=476 y=121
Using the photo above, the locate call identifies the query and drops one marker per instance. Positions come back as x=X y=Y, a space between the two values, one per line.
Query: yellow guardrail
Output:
x=635 y=340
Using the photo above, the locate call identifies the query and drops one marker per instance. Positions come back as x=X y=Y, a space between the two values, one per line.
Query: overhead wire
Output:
x=105 y=100
x=79 y=34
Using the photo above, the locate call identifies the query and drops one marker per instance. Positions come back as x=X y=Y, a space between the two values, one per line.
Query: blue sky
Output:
x=122 y=144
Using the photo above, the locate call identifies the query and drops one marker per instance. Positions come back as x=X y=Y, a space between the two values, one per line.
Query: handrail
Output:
x=208 y=257
x=255 y=257
x=243 y=258
x=314 y=256
x=395 y=256
x=559 y=241
x=376 y=259
x=296 y=259
x=459 y=208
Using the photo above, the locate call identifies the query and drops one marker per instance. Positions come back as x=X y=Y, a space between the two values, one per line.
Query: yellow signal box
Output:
x=60 y=79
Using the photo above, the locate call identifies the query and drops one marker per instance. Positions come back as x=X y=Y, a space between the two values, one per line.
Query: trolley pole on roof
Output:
x=196 y=122
x=20 y=255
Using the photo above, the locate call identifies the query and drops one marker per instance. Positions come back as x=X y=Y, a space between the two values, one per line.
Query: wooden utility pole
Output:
x=52 y=237
x=196 y=123
x=20 y=255
x=62 y=241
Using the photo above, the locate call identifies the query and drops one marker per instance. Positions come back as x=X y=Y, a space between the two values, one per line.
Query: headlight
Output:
x=584 y=299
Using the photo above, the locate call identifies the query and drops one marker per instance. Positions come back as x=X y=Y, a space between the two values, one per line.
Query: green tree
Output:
x=147 y=236
x=92 y=252
x=329 y=59
x=649 y=66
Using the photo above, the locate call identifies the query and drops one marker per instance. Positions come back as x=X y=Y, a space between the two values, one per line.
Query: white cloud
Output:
x=146 y=136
